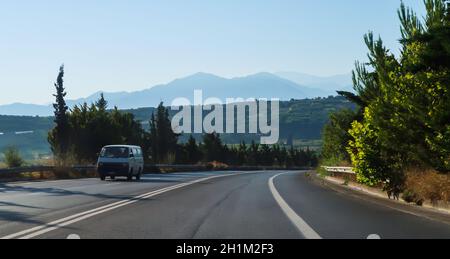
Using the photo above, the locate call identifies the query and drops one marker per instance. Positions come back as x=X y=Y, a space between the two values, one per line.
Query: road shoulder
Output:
x=379 y=199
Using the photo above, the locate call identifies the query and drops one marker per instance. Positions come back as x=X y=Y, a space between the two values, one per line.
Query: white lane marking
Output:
x=374 y=237
x=74 y=236
x=299 y=223
x=40 y=230
x=185 y=175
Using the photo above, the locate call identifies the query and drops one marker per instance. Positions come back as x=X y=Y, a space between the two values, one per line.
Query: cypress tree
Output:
x=59 y=136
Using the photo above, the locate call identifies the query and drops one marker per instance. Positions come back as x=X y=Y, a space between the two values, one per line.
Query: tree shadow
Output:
x=51 y=191
x=12 y=204
x=55 y=191
x=144 y=180
x=13 y=216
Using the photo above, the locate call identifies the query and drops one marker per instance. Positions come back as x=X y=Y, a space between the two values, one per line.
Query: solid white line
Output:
x=299 y=223
x=40 y=230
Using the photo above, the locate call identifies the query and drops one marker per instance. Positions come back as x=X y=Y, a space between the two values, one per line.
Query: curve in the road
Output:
x=298 y=222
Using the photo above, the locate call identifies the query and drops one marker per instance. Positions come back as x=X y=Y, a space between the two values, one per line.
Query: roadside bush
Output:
x=335 y=161
x=2 y=159
x=336 y=137
x=427 y=185
x=411 y=197
x=13 y=158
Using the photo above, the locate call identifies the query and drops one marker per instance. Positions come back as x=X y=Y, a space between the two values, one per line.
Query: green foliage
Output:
x=13 y=158
x=191 y=152
x=163 y=141
x=366 y=154
x=336 y=137
x=102 y=104
x=405 y=103
x=212 y=147
x=163 y=147
x=91 y=127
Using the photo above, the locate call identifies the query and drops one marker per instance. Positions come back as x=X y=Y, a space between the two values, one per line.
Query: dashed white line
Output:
x=298 y=222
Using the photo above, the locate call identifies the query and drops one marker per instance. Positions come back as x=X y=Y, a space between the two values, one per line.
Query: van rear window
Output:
x=115 y=152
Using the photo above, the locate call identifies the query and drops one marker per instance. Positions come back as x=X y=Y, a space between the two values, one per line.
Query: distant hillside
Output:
x=29 y=134
x=300 y=120
x=262 y=85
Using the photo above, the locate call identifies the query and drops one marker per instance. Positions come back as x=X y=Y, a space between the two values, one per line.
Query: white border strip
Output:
x=299 y=223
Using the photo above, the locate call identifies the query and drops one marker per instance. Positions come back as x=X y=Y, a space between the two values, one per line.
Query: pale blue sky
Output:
x=129 y=45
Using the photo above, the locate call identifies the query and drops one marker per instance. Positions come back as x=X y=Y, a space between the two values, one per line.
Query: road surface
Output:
x=219 y=205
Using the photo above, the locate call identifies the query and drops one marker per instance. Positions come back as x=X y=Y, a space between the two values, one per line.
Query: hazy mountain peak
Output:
x=263 y=75
x=201 y=76
x=259 y=85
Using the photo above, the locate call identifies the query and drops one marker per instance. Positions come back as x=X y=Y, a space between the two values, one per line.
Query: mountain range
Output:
x=283 y=85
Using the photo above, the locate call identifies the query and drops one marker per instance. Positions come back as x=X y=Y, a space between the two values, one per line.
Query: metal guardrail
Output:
x=27 y=169
x=38 y=169
x=344 y=170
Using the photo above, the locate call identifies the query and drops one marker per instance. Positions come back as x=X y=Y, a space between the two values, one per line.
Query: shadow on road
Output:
x=10 y=215
x=12 y=204
x=143 y=180
x=13 y=216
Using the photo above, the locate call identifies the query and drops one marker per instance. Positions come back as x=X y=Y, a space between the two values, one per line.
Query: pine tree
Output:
x=254 y=155
x=266 y=157
x=213 y=148
x=102 y=104
x=242 y=154
x=336 y=137
x=192 y=151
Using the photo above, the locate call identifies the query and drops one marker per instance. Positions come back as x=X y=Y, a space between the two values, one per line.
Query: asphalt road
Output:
x=219 y=205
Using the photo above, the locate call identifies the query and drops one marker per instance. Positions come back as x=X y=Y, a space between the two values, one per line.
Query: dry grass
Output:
x=42 y=162
x=428 y=185
x=217 y=165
